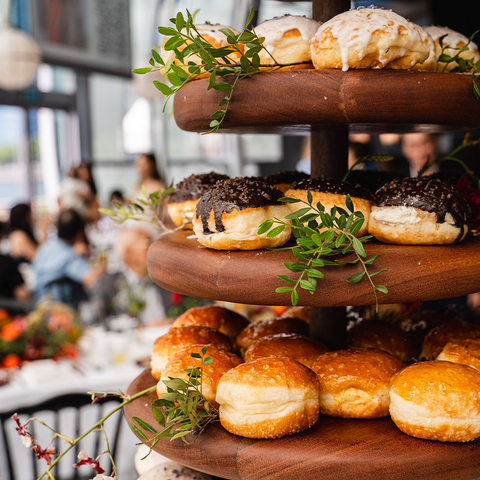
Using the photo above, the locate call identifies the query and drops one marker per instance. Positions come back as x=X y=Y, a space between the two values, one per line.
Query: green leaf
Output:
x=224 y=101
x=245 y=64
x=299 y=255
x=275 y=231
x=174 y=79
x=143 y=70
x=284 y=289
x=222 y=87
x=195 y=355
x=311 y=272
x=137 y=431
x=218 y=114
x=144 y=425
x=318 y=262
x=381 y=288
x=306 y=285
x=214 y=123
x=349 y=203
x=340 y=239
x=357 y=245
x=167 y=31
x=370 y=260
x=250 y=16
x=286 y=278
x=356 y=278
x=179 y=21
x=294 y=297
x=294 y=266
x=159 y=416
x=297 y=213
x=309 y=197
x=156 y=56
x=107 y=211
x=165 y=89
x=289 y=200
x=265 y=226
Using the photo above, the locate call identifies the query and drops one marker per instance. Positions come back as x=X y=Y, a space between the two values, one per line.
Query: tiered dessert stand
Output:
x=327 y=103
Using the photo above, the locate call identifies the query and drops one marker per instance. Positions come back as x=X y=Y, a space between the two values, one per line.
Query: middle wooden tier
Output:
x=415 y=273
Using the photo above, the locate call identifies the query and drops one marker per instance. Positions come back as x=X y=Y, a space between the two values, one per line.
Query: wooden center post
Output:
x=329 y=157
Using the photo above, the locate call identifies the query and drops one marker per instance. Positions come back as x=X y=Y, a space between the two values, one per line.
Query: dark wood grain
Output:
x=374 y=100
x=334 y=449
x=415 y=273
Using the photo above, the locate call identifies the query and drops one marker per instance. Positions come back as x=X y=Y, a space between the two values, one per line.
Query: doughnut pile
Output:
x=182 y=202
x=466 y=352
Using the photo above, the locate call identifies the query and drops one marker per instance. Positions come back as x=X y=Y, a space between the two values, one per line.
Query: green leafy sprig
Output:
x=367 y=159
x=181 y=412
x=320 y=236
x=463 y=65
x=186 y=41
x=149 y=209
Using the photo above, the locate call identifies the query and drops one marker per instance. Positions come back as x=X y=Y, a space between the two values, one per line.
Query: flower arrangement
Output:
x=49 y=331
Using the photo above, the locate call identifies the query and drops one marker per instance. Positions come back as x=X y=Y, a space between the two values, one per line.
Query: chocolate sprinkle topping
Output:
x=286 y=176
x=323 y=185
x=194 y=186
x=234 y=193
x=427 y=194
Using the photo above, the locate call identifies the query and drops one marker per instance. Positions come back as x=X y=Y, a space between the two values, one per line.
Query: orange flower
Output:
x=10 y=332
x=278 y=310
x=68 y=350
x=11 y=361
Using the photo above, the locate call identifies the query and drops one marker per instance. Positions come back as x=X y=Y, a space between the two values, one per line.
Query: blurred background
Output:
x=78 y=131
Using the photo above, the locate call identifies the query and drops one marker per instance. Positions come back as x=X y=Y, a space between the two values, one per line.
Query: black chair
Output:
x=81 y=408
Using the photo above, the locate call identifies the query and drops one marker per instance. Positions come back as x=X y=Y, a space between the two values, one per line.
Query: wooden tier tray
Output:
x=334 y=449
x=178 y=263
x=374 y=101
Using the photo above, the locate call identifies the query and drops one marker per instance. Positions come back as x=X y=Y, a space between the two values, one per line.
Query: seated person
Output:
x=61 y=272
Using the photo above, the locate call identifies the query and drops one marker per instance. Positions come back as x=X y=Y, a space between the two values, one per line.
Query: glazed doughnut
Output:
x=285 y=179
x=419 y=211
x=453 y=40
x=177 y=338
x=355 y=383
x=211 y=33
x=288 y=39
x=384 y=336
x=332 y=193
x=228 y=215
x=466 y=352
x=291 y=345
x=268 y=398
x=303 y=313
x=368 y=38
x=182 y=202
x=214 y=316
x=273 y=326
x=222 y=362
x=438 y=337
x=430 y=64
x=437 y=401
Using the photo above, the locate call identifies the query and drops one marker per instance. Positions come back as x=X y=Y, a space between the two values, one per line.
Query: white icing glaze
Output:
x=355 y=28
x=213 y=30
x=274 y=29
x=452 y=39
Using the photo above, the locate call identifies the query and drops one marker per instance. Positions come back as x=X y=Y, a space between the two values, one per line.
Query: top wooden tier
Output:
x=374 y=101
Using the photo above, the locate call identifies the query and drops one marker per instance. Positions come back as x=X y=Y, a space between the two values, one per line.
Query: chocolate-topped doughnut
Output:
x=286 y=179
x=228 y=215
x=419 y=211
x=332 y=193
x=182 y=202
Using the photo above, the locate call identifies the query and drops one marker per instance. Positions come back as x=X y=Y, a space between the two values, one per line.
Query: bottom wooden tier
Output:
x=334 y=449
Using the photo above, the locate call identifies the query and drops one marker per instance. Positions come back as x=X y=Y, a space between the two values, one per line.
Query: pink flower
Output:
x=46 y=453
x=23 y=431
x=86 y=460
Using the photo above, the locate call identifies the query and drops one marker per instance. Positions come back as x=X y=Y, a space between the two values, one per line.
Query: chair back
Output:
x=70 y=414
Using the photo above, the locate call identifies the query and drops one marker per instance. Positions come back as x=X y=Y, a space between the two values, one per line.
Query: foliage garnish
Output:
x=186 y=41
x=148 y=209
x=181 y=412
x=367 y=159
x=320 y=236
x=463 y=65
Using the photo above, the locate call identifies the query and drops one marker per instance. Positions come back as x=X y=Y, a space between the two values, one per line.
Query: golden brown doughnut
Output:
x=368 y=38
x=466 y=352
x=182 y=202
x=430 y=64
x=384 y=336
x=222 y=362
x=214 y=316
x=355 y=383
x=291 y=345
x=211 y=34
x=303 y=313
x=268 y=398
x=273 y=326
x=438 y=337
x=287 y=39
x=453 y=40
x=332 y=193
x=177 y=338
x=228 y=215
x=437 y=401
x=419 y=211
